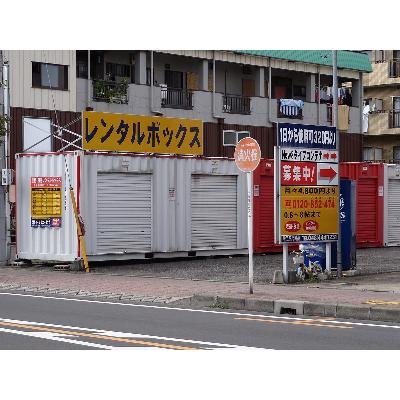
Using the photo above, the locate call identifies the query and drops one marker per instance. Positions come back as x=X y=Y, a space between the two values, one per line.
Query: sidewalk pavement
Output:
x=365 y=297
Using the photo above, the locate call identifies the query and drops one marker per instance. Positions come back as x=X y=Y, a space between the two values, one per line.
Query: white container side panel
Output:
x=47 y=244
x=213 y=171
x=213 y=212
x=123 y=212
x=116 y=205
x=392 y=205
x=170 y=198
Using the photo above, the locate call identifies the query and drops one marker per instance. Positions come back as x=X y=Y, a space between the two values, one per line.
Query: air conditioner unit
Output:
x=229 y=138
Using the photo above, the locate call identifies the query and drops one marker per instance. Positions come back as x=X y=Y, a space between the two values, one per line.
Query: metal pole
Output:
x=6 y=113
x=250 y=226
x=285 y=262
x=319 y=97
x=336 y=125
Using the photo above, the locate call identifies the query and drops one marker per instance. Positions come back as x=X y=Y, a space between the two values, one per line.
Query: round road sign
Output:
x=247 y=154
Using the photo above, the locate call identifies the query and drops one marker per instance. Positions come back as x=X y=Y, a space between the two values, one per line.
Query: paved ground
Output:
x=38 y=322
x=173 y=281
x=235 y=269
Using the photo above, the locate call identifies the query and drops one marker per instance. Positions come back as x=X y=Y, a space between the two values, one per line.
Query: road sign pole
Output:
x=250 y=226
x=247 y=157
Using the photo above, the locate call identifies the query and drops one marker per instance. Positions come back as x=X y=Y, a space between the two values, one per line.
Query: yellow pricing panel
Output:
x=141 y=134
x=45 y=203
x=309 y=213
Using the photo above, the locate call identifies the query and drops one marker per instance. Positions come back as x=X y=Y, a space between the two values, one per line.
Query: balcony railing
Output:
x=236 y=104
x=289 y=108
x=110 y=91
x=394 y=69
x=394 y=119
x=176 y=98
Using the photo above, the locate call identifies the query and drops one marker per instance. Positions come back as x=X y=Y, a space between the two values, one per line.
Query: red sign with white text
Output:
x=46 y=181
x=298 y=173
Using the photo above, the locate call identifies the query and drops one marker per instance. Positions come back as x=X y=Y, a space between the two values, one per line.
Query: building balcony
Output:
x=201 y=104
x=289 y=108
x=110 y=91
x=236 y=104
x=176 y=98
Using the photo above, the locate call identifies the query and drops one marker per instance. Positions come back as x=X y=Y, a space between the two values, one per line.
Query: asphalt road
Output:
x=42 y=322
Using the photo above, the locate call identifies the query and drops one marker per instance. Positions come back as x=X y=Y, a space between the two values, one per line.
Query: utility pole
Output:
x=335 y=119
x=5 y=215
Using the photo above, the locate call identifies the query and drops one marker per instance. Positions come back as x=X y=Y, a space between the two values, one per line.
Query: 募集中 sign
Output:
x=307 y=192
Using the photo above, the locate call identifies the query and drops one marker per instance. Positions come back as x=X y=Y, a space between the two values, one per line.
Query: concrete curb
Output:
x=306 y=308
x=277 y=307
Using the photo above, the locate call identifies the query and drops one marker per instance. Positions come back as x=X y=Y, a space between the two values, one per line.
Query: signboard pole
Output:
x=249 y=176
x=328 y=256
x=247 y=157
x=285 y=262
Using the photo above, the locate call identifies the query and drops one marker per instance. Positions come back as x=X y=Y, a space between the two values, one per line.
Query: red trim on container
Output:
x=43 y=154
x=78 y=190
x=16 y=212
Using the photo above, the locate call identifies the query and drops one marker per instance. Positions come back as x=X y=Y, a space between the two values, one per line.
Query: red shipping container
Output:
x=263 y=208
x=369 y=179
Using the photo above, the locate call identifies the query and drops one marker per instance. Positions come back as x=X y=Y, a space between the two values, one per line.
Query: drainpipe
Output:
x=157 y=112
x=89 y=98
x=269 y=90
x=213 y=94
x=6 y=113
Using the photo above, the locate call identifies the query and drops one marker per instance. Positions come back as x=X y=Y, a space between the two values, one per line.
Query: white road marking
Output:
x=200 y=311
x=55 y=337
x=118 y=334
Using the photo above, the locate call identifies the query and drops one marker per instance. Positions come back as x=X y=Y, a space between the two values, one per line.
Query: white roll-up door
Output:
x=123 y=212
x=214 y=212
x=393 y=226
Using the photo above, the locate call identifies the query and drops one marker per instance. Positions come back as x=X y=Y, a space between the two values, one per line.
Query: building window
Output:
x=231 y=138
x=116 y=72
x=396 y=153
x=299 y=91
x=174 y=79
x=379 y=56
x=36 y=135
x=49 y=76
x=373 y=153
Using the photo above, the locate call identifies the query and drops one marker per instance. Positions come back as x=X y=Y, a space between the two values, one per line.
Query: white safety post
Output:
x=328 y=256
x=285 y=262
x=250 y=226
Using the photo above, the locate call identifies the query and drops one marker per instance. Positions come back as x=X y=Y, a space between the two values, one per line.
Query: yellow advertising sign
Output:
x=141 y=134
x=309 y=213
x=46 y=201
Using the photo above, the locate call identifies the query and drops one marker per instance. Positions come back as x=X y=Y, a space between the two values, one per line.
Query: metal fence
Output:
x=236 y=104
x=176 y=98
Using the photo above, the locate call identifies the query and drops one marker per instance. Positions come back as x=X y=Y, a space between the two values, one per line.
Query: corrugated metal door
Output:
x=367 y=210
x=214 y=212
x=393 y=228
x=265 y=219
x=123 y=212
